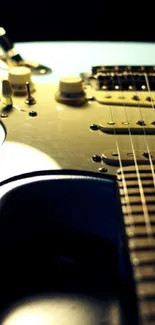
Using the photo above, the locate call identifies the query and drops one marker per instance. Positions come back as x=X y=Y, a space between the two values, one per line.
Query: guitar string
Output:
x=126 y=195
x=146 y=217
x=128 y=213
x=146 y=142
x=124 y=186
x=145 y=134
x=134 y=259
x=142 y=196
x=144 y=131
x=129 y=210
x=149 y=90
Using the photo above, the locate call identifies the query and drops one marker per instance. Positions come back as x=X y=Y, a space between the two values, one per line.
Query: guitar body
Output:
x=63 y=133
x=111 y=138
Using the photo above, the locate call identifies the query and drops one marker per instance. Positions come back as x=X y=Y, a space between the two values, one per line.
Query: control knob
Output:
x=18 y=77
x=70 y=91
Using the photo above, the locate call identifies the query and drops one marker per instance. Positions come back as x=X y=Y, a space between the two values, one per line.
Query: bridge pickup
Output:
x=124 y=127
x=111 y=157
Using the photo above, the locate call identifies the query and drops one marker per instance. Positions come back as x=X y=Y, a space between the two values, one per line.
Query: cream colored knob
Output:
x=18 y=76
x=71 y=91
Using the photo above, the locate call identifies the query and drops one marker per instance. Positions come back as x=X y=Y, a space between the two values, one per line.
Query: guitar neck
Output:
x=137 y=197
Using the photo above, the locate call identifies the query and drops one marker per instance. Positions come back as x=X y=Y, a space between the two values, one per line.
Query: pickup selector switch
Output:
x=29 y=100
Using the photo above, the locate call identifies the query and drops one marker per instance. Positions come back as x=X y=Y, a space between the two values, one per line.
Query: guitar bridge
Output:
x=122 y=85
x=124 y=77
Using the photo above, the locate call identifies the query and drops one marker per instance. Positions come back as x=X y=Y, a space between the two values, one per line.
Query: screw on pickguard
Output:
x=102 y=170
x=96 y=158
x=94 y=127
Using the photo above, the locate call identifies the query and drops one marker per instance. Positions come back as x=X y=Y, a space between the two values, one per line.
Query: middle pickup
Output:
x=125 y=127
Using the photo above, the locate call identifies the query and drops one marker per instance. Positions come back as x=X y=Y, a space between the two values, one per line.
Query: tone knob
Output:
x=18 y=76
x=71 y=91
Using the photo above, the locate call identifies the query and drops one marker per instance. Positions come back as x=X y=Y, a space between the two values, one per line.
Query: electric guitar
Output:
x=111 y=132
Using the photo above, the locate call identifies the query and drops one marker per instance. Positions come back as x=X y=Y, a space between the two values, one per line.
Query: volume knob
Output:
x=71 y=91
x=18 y=76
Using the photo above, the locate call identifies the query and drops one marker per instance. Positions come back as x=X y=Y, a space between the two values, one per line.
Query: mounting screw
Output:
x=153 y=123
x=102 y=170
x=30 y=101
x=4 y=115
x=96 y=158
x=94 y=127
x=33 y=113
x=91 y=98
